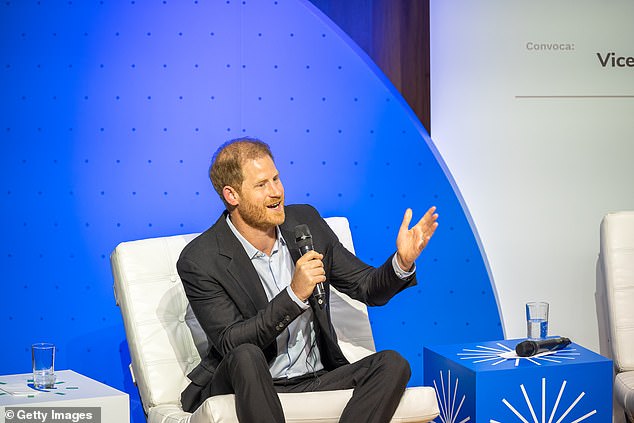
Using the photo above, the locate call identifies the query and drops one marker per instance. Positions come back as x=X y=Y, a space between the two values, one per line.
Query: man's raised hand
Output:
x=411 y=242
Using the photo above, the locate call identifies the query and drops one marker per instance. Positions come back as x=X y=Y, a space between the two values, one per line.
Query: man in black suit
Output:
x=252 y=294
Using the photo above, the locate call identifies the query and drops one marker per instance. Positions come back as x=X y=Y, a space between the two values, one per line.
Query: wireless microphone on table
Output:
x=530 y=348
x=304 y=241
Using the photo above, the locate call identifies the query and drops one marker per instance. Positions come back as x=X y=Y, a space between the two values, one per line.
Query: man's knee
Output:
x=395 y=363
x=247 y=354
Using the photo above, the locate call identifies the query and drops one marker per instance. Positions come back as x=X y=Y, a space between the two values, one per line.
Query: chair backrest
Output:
x=164 y=338
x=615 y=288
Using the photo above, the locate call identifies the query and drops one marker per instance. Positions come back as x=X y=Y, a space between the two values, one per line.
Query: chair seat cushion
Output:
x=624 y=391
x=417 y=405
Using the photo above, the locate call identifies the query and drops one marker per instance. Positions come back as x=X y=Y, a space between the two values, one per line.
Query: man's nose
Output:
x=276 y=189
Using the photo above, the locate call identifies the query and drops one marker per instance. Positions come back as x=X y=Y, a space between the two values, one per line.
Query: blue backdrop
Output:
x=110 y=113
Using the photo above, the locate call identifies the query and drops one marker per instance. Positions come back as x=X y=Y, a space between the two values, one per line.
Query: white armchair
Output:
x=166 y=342
x=615 y=306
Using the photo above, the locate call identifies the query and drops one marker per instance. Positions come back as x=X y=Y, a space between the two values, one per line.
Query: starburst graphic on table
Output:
x=553 y=413
x=495 y=356
x=449 y=411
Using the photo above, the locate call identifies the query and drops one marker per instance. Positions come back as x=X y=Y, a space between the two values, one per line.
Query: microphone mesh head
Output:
x=526 y=348
x=302 y=232
x=303 y=238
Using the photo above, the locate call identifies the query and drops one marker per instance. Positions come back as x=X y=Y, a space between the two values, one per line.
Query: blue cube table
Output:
x=485 y=382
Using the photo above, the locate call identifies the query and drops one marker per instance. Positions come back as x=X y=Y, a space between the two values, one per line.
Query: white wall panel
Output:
x=540 y=141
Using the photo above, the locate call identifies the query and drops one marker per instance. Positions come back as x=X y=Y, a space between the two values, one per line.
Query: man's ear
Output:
x=231 y=196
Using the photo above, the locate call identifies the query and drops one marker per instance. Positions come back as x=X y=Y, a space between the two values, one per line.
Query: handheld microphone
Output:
x=304 y=241
x=530 y=348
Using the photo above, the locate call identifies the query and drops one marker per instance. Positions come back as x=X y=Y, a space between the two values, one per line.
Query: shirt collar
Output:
x=253 y=252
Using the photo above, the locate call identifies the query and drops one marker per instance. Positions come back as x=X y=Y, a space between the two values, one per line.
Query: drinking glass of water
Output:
x=43 y=358
x=537 y=320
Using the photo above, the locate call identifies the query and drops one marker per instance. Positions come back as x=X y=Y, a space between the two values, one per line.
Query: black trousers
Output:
x=378 y=380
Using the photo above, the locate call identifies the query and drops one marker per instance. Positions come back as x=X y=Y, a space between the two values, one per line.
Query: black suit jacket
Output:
x=227 y=297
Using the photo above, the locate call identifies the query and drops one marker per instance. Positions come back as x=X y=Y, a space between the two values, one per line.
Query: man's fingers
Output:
x=311 y=264
x=427 y=223
x=407 y=218
x=316 y=269
x=429 y=217
x=425 y=227
x=428 y=233
x=310 y=255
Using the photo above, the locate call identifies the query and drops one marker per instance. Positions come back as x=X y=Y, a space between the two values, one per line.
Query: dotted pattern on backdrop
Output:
x=110 y=113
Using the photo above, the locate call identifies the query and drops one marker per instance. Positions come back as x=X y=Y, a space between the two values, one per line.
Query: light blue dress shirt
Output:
x=297 y=346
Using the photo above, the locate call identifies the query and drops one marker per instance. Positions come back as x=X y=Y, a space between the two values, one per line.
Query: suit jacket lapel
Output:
x=289 y=236
x=240 y=267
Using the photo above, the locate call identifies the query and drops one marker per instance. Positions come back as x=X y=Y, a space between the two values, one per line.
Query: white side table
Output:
x=71 y=390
